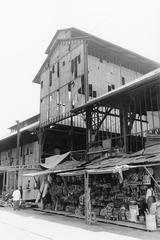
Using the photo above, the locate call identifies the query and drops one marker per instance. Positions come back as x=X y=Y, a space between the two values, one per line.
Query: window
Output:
x=123 y=80
x=113 y=86
x=69 y=87
x=109 y=88
x=50 y=79
x=41 y=84
x=76 y=68
x=94 y=94
x=63 y=63
x=72 y=66
x=82 y=84
x=90 y=90
x=58 y=73
x=79 y=58
x=53 y=69
x=57 y=97
x=27 y=151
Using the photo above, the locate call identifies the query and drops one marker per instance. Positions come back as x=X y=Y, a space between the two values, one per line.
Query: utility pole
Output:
x=17 y=153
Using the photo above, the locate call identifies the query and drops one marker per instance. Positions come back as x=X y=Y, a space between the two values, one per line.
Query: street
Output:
x=33 y=225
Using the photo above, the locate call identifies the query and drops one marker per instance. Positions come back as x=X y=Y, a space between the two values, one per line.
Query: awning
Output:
x=50 y=164
x=53 y=161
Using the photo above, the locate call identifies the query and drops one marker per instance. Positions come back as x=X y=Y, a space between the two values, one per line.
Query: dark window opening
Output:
x=21 y=151
x=94 y=94
x=72 y=66
x=109 y=88
x=90 y=90
x=113 y=86
x=53 y=69
x=79 y=90
x=27 y=152
x=50 y=79
x=58 y=70
x=63 y=63
x=79 y=59
x=123 y=80
x=69 y=87
x=82 y=84
x=76 y=68
x=41 y=84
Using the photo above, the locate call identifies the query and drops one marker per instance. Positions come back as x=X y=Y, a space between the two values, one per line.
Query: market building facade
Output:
x=94 y=85
x=98 y=131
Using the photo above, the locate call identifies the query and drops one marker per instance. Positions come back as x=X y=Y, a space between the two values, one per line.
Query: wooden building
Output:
x=19 y=153
x=79 y=67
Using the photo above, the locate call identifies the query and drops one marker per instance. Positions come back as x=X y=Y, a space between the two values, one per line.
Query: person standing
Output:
x=16 y=199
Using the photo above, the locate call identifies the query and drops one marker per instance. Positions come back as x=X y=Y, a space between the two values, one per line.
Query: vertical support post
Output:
x=6 y=181
x=18 y=142
x=40 y=135
x=17 y=154
x=3 y=186
x=71 y=134
x=85 y=52
x=124 y=121
x=87 y=198
x=88 y=128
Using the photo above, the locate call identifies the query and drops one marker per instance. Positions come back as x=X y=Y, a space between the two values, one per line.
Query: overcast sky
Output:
x=27 y=27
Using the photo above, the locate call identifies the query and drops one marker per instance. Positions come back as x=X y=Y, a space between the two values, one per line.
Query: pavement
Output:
x=33 y=225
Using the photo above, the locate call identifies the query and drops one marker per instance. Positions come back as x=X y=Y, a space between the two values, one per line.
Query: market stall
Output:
x=120 y=194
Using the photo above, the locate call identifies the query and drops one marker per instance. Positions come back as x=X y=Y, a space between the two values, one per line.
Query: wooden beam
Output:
x=86 y=87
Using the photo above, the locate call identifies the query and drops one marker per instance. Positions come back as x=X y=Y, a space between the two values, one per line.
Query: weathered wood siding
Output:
x=28 y=155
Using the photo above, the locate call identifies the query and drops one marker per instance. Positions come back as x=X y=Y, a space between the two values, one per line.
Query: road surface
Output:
x=33 y=225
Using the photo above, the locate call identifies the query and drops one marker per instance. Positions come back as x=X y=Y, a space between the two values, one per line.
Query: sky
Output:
x=28 y=26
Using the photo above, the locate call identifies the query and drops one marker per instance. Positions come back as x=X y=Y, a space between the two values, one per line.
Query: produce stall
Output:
x=67 y=194
x=118 y=195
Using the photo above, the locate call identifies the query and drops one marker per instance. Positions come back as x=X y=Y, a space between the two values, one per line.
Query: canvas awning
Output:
x=51 y=163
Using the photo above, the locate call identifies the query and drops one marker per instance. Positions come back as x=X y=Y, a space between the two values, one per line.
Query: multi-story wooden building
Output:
x=80 y=67
x=19 y=153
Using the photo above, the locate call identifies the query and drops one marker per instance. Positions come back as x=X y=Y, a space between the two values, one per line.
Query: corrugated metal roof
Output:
x=112 y=162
